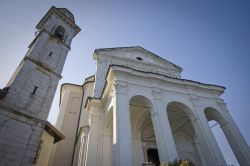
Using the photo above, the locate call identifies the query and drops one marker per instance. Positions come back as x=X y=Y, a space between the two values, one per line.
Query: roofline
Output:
x=58 y=136
x=100 y=49
x=68 y=12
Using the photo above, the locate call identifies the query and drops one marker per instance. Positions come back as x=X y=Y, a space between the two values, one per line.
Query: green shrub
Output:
x=178 y=163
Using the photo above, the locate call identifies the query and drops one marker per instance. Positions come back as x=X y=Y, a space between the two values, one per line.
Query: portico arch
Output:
x=181 y=120
x=213 y=114
x=216 y=117
x=143 y=136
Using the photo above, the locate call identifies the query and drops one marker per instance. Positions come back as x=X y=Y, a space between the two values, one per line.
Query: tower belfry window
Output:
x=59 y=33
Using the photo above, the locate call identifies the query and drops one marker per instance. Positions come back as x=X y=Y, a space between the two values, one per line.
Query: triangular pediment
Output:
x=139 y=54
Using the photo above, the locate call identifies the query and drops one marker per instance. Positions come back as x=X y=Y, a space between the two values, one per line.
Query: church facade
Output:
x=137 y=108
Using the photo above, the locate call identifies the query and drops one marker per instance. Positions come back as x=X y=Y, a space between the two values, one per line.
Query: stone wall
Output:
x=19 y=138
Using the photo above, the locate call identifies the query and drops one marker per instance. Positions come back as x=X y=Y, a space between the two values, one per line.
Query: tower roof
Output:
x=67 y=13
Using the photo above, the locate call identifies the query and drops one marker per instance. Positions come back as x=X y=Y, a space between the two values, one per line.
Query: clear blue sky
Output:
x=209 y=40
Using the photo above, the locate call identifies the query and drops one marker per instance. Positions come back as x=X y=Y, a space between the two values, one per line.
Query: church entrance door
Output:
x=153 y=156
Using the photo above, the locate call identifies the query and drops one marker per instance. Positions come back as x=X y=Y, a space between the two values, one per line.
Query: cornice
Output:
x=179 y=81
x=81 y=86
x=43 y=67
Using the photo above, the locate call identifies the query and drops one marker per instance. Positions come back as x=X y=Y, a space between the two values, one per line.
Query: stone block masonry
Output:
x=19 y=138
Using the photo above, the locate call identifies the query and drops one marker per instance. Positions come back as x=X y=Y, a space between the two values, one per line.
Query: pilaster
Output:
x=100 y=76
x=94 y=134
x=122 y=139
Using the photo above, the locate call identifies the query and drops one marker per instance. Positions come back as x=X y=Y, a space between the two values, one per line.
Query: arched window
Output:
x=59 y=33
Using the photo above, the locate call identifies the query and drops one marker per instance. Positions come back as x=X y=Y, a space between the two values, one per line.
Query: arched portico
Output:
x=137 y=125
x=149 y=132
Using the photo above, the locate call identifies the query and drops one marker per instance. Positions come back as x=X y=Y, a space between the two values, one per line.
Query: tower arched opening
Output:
x=60 y=33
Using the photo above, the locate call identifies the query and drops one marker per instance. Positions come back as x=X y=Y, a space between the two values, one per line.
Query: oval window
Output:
x=139 y=58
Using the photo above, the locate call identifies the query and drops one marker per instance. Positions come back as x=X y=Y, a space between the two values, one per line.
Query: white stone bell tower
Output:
x=26 y=100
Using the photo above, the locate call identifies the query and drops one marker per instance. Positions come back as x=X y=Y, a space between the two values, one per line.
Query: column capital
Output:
x=120 y=86
x=99 y=58
x=157 y=93
x=195 y=100
x=222 y=105
x=94 y=117
x=84 y=130
x=93 y=105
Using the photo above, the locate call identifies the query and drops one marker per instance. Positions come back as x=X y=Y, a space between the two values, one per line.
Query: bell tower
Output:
x=26 y=100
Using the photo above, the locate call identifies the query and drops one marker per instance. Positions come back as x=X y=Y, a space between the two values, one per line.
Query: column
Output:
x=203 y=146
x=208 y=149
x=122 y=140
x=84 y=144
x=92 y=157
x=234 y=137
x=214 y=149
x=163 y=134
x=80 y=147
x=211 y=139
x=107 y=145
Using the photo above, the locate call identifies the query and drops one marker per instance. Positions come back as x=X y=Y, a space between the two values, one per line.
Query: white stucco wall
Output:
x=117 y=128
